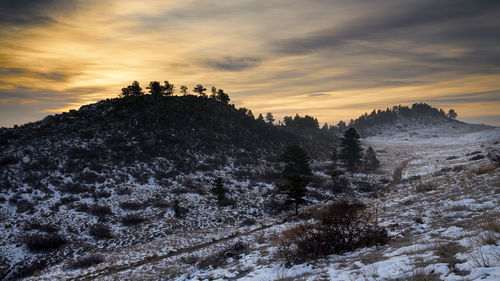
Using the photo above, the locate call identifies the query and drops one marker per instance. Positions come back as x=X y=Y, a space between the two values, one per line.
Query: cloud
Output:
x=8 y=71
x=421 y=20
x=34 y=104
x=490 y=96
x=16 y=71
x=319 y=95
x=28 y=13
x=27 y=94
x=229 y=63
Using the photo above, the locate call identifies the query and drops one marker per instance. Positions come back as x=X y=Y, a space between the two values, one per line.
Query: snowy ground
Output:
x=443 y=218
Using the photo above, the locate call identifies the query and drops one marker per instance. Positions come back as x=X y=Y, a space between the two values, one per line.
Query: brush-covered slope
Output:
x=129 y=170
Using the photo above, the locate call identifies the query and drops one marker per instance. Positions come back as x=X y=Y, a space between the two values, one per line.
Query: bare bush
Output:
x=132 y=219
x=131 y=205
x=44 y=243
x=234 y=251
x=100 y=211
x=84 y=262
x=340 y=227
x=100 y=231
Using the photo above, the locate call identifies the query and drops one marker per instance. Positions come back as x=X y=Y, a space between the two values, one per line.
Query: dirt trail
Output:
x=153 y=259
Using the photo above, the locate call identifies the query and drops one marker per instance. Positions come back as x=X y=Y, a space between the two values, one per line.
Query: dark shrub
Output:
x=315 y=181
x=268 y=176
x=341 y=185
x=26 y=270
x=24 y=205
x=68 y=199
x=340 y=227
x=100 y=231
x=9 y=160
x=103 y=194
x=89 y=177
x=73 y=188
x=131 y=205
x=123 y=191
x=385 y=181
x=249 y=222
x=364 y=186
x=83 y=154
x=424 y=187
x=275 y=206
x=84 y=262
x=234 y=251
x=132 y=219
x=81 y=207
x=414 y=178
x=45 y=227
x=100 y=210
x=477 y=157
x=225 y=202
x=44 y=243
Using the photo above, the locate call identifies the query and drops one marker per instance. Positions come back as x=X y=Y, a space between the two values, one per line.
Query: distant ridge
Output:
x=404 y=118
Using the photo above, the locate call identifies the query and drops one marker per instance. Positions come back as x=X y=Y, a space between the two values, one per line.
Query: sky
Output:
x=331 y=59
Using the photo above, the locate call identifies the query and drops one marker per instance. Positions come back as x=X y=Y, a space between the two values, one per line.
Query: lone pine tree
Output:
x=350 y=145
x=218 y=189
x=295 y=190
x=296 y=161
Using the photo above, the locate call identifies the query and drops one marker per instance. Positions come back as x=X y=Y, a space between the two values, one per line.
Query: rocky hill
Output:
x=123 y=171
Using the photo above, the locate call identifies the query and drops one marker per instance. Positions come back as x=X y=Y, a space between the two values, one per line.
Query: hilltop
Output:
x=419 y=120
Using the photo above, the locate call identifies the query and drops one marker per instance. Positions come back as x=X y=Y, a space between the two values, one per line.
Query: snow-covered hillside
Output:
x=442 y=213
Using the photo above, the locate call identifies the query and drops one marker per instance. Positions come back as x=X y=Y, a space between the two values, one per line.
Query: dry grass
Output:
x=459 y=208
x=371 y=257
x=481 y=259
x=491 y=221
x=489 y=238
x=425 y=187
x=448 y=251
x=420 y=275
x=486 y=169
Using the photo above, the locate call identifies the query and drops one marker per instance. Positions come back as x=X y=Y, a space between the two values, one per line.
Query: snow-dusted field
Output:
x=443 y=218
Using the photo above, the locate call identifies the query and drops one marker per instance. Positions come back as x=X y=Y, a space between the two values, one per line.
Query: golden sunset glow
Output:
x=334 y=60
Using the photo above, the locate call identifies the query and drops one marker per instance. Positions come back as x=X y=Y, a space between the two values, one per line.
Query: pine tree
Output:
x=452 y=114
x=260 y=118
x=183 y=90
x=132 y=90
x=296 y=161
x=200 y=90
x=168 y=89
x=351 y=148
x=371 y=161
x=178 y=210
x=295 y=190
x=218 y=189
x=155 y=88
x=325 y=127
x=222 y=97
x=269 y=118
x=214 y=93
